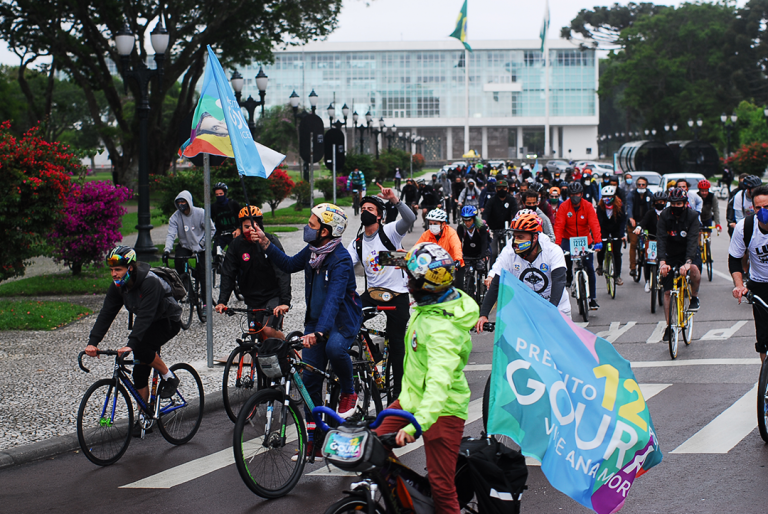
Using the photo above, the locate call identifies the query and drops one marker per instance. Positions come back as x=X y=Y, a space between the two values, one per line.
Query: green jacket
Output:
x=437 y=349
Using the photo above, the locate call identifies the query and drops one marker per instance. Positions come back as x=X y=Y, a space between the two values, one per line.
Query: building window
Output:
x=532 y=57
x=427 y=107
x=573 y=58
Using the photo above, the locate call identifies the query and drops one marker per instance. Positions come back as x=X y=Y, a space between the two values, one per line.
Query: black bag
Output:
x=172 y=278
x=273 y=358
x=494 y=473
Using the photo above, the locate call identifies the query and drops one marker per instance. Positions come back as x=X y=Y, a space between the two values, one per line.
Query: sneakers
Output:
x=168 y=387
x=347 y=404
x=593 y=306
x=599 y=271
x=667 y=333
x=695 y=304
x=573 y=292
x=136 y=431
x=633 y=273
x=647 y=287
x=619 y=282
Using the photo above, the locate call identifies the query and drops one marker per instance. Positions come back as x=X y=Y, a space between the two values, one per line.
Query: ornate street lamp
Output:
x=250 y=104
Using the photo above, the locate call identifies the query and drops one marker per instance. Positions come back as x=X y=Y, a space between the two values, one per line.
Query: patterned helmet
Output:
x=608 y=191
x=222 y=186
x=469 y=211
x=660 y=196
x=332 y=217
x=704 y=184
x=431 y=267
x=437 y=215
x=255 y=212
x=526 y=220
x=678 y=195
x=121 y=256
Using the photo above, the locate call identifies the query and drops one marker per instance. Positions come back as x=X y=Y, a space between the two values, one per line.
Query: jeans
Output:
x=566 y=246
x=334 y=350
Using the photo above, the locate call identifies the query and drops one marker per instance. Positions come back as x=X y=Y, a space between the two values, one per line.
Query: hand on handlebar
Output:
x=125 y=350
x=220 y=308
x=91 y=350
x=664 y=269
x=598 y=246
x=403 y=438
x=280 y=309
x=479 y=325
x=738 y=292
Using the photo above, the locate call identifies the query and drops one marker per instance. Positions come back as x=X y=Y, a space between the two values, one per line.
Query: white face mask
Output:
x=658 y=211
x=641 y=191
x=435 y=229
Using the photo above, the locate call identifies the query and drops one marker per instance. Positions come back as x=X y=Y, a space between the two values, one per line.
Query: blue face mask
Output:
x=311 y=235
x=762 y=215
x=122 y=281
x=628 y=181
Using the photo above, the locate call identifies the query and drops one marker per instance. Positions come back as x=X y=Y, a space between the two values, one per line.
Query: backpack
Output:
x=749 y=227
x=172 y=278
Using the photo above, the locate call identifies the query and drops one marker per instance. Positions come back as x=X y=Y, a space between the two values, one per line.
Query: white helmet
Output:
x=437 y=215
x=608 y=191
x=331 y=216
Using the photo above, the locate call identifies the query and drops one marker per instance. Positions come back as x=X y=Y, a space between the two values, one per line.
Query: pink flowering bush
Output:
x=91 y=224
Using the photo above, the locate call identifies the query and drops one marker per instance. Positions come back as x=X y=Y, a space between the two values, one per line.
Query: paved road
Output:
x=702 y=404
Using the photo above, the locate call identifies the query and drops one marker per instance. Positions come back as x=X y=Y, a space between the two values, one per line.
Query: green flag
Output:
x=544 y=26
x=461 y=27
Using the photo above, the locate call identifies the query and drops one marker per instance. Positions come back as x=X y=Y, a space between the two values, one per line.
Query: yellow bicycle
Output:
x=705 y=248
x=680 y=317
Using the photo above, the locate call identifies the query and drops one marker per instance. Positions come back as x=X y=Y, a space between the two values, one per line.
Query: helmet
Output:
x=526 y=222
x=491 y=180
x=752 y=181
x=375 y=200
x=255 y=212
x=469 y=211
x=431 y=266
x=332 y=217
x=121 y=256
x=437 y=215
x=704 y=184
x=536 y=186
x=554 y=190
x=608 y=191
x=678 y=195
x=607 y=174
x=660 y=197
x=575 y=188
x=221 y=185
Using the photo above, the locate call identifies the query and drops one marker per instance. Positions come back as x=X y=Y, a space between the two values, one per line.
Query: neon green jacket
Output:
x=437 y=347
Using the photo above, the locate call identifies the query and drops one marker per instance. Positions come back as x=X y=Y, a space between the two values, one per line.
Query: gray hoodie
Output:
x=190 y=229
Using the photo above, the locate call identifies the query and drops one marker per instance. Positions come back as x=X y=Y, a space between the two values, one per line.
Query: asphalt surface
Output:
x=702 y=405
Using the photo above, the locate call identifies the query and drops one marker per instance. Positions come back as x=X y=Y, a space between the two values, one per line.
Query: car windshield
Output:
x=653 y=180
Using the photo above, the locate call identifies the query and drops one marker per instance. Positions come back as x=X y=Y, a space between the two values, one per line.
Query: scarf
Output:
x=318 y=254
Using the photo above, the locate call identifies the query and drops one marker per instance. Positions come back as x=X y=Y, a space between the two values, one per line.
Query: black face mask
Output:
x=575 y=200
x=677 y=211
x=502 y=193
x=368 y=218
x=659 y=206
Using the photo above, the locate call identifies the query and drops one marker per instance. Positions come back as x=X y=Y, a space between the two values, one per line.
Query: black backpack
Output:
x=172 y=278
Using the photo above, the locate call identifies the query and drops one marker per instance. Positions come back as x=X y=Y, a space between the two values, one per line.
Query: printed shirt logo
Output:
x=246 y=257
x=544 y=267
x=373 y=262
x=570 y=215
x=683 y=233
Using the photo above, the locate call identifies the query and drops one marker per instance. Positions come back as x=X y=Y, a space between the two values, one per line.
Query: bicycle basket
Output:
x=354 y=449
x=273 y=358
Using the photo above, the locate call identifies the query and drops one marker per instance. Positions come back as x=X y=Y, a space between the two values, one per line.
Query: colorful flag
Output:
x=217 y=130
x=544 y=26
x=569 y=400
x=460 y=32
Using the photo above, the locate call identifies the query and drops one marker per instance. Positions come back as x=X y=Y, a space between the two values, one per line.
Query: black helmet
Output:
x=607 y=174
x=222 y=186
x=660 y=197
x=752 y=181
x=121 y=256
x=678 y=195
x=375 y=200
x=575 y=188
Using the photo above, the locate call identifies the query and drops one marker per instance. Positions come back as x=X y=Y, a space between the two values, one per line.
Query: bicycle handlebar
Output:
x=100 y=352
x=231 y=311
x=753 y=296
x=317 y=413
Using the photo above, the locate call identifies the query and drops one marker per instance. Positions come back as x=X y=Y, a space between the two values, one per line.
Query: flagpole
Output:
x=207 y=271
x=547 y=150
x=466 y=101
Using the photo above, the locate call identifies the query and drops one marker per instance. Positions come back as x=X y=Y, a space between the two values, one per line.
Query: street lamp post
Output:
x=375 y=131
x=125 y=42
x=728 y=129
x=250 y=104
x=696 y=127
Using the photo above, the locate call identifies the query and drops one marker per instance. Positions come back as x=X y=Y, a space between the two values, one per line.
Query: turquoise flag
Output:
x=569 y=400
x=544 y=26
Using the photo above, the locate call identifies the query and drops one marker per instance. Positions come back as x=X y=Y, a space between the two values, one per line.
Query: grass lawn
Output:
x=26 y=315
x=99 y=175
x=131 y=219
x=272 y=230
x=91 y=280
x=286 y=216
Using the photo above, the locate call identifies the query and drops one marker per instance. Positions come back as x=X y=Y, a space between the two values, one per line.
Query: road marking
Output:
x=658 y=333
x=582 y=324
x=721 y=334
x=658 y=364
x=723 y=275
x=615 y=331
x=726 y=430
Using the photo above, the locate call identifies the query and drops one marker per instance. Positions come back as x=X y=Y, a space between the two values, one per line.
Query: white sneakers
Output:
x=647 y=287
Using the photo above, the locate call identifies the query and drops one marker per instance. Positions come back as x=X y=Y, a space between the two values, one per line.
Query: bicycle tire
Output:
x=238 y=384
x=674 y=329
x=639 y=263
x=102 y=441
x=762 y=403
x=505 y=440
x=352 y=504
x=654 y=286
x=186 y=302
x=179 y=426
x=687 y=329
x=361 y=378
x=608 y=270
x=389 y=381
x=199 y=299
x=583 y=300
x=709 y=261
x=258 y=452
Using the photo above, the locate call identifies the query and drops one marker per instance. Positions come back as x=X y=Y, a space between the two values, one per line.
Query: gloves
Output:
x=719 y=228
x=598 y=246
x=166 y=253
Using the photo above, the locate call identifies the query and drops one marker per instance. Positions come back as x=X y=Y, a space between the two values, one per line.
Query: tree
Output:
x=280 y=186
x=77 y=37
x=751 y=125
x=751 y=159
x=603 y=25
x=361 y=161
x=277 y=130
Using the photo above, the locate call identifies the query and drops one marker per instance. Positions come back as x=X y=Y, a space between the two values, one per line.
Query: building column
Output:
x=519 y=142
x=556 y=143
x=449 y=143
x=484 y=145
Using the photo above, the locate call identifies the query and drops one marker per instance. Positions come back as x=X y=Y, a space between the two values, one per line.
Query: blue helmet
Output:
x=491 y=180
x=470 y=211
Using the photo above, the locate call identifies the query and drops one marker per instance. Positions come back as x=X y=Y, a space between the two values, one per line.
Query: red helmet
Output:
x=704 y=184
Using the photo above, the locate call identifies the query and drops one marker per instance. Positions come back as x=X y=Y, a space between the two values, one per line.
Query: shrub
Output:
x=364 y=162
x=751 y=158
x=301 y=193
x=341 y=186
x=90 y=225
x=325 y=185
x=418 y=162
x=280 y=186
x=389 y=160
x=35 y=175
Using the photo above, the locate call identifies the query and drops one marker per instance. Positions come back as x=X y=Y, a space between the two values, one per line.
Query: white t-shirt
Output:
x=758 y=251
x=742 y=206
x=537 y=274
x=388 y=277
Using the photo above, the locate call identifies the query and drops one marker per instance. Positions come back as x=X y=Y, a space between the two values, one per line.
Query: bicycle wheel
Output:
x=264 y=442
x=639 y=263
x=481 y=289
x=365 y=387
x=469 y=284
x=653 y=285
x=762 y=403
x=186 y=302
x=583 y=300
x=180 y=415
x=505 y=440
x=104 y=422
x=674 y=325
x=352 y=504
x=709 y=261
x=608 y=270
x=240 y=381
x=687 y=321
x=199 y=299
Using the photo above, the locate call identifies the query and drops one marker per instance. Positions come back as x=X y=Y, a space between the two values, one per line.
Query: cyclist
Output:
x=224 y=214
x=639 y=202
x=677 y=235
x=577 y=218
x=474 y=238
x=590 y=186
x=710 y=210
x=536 y=261
x=435 y=388
x=188 y=223
x=429 y=200
x=742 y=200
x=488 y=192
x=334 y=309
x=613 y=222
x=356 y=180
x=470 y=195
x=531 y=202
x=157 y=320
x=384 y=285
x=443 y=235
x=398 y=178
x=753 y=243
x=262 y=283
x=648 y=223
x=498 y=214
x=554 y=199
x=542 y=201
x=445 y=187
x=410 y=194
x=694 y=200
x=458 y=187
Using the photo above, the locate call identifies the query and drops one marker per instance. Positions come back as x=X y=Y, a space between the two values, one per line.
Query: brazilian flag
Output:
x=461 y=27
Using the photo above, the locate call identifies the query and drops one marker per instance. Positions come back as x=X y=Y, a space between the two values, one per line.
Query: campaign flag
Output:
x=569 y=400
x=460 y=32
x=218 y=127
x=544 y=26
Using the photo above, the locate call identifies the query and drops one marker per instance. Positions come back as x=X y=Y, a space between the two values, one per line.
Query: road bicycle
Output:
x=475 y=271
x=762 y=385
x=194 y=300
x=680 y=317
x=581 y=281
x=705 y=248
x=374 y=361
x=105 y=416
x=640 y=251
x=609 y=264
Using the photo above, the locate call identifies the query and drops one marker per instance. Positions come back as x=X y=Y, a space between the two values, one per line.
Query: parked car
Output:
x=653 y=178
x=557 y=164
x=692 y=179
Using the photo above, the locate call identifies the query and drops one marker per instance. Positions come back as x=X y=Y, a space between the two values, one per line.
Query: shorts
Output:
x=272 y=321
x=159 y=332
x=668 y=281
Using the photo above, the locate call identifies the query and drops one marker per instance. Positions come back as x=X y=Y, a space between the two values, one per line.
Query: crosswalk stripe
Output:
x=726 y=430
x=657 y=364
x=658 y=333
x=722 y=275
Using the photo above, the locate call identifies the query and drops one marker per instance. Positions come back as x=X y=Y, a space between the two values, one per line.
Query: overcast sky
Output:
x=431 y=20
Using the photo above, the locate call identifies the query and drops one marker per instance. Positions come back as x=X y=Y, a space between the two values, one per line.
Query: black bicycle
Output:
x=475 y=271
x=371 y=362
x=640 y=250
x=105 y=416
x=762 y=387
x=217 y=266
x=193 y=301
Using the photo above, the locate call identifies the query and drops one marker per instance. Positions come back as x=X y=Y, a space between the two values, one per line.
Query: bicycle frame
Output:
x=705 y=236
x=679 y=286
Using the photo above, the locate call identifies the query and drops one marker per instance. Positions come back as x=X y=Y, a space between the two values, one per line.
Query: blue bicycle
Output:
x=105 y=416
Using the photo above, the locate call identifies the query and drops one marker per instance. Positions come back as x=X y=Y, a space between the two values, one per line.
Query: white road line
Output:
x=615 y=331
x=722 y=275
x=721 y=334
x=658 y=333
x=726 y=430
x=658 y=364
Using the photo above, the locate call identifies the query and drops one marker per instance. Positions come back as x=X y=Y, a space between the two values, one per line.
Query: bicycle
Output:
x=105 y=415
x=216 y=267
x=500 y=238
x=657 y=291
x=639 y=257
x=680 y=318
x=609 y=262
x=193 y=301
x=474 y=274
x=581 y=282
x=762 y=385
x=705 y=248
x=356 y=201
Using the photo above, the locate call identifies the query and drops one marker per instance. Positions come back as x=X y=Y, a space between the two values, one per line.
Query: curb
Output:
x=65 y=443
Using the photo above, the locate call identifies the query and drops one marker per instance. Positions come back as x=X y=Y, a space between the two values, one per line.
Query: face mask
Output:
x=522 y=246
x=762 y=215
x=677 y=211
x=609 y=200
x=575 y=200
x=122 y=281
x=641 y=190
x=221 y=200
x=501 y=194
x=659 y=206
x=531 y=207
x=368 y=218
x=553 y=201
x=182 y=207
x=435 y=229
x=311 y=235
x=628 y=181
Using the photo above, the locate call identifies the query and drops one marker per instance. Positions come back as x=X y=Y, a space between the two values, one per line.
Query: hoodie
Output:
x=190 y=229
x=437 y=349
